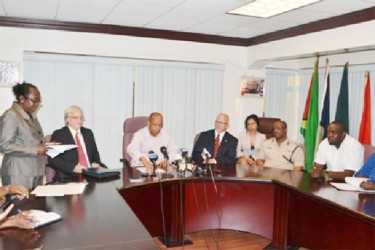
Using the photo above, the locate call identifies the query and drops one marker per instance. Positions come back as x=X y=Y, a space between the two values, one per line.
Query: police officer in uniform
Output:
x=279 y=152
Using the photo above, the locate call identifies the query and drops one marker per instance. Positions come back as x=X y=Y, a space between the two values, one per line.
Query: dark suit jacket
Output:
x=227 y=150
x=64 y=163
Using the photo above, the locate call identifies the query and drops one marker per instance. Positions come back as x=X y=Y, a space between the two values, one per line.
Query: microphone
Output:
x=163 y=150
x=206 y=154
x=184 y=152
x=153 y=157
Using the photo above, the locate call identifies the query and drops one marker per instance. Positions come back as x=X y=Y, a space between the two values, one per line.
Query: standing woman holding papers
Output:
x=21 y=139
x=86 y=154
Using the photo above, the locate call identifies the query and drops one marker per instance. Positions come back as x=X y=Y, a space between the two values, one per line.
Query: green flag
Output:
x=312 y=121
x=342 y=111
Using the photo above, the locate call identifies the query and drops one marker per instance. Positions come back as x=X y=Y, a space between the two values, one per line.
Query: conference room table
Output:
x=287 y=207
x=96 y=219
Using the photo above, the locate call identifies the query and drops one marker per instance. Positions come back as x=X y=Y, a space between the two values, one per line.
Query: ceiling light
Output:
x=268 y=8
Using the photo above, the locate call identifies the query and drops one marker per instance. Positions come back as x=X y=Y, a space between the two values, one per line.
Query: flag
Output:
x=306 y=110
x=342 y=111
x=365 y=128
x=324 y=118
x=312 y=119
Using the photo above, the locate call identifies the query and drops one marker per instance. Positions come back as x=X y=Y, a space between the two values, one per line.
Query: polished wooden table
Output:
x=287 y=207
x=97 y=219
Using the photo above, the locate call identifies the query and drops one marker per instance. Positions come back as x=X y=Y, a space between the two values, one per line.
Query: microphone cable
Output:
x=181 y=210
x=198 y=211
x=208 y=167
x=216 y=204
x=158 y=175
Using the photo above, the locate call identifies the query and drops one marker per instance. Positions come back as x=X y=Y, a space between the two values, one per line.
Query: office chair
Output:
x=266 y=126
x=131 y=125
x=49 y=172
x=369 y=150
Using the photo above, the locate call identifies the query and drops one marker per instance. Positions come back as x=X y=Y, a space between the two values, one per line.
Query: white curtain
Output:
x=278 y=83
x=103 y=88
x=189 y=98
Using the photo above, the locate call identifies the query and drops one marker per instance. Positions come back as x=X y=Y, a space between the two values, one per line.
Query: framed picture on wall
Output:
x=9 y=73
x=252 y=86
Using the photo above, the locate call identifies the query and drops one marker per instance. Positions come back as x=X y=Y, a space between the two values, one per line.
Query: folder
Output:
x=100 y=173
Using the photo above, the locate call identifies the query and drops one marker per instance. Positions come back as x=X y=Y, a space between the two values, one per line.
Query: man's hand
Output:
x=95 y=165
x=317 y=172
x=147 y=164
x=163 y=164
x=78 y=168
x=367 y=185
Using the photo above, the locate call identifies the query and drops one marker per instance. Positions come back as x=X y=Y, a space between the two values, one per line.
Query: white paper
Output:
x=54 y=150
x=60 y=190
x=352 y=184
x=143 y=170
x=41 y=217
x=355 y=181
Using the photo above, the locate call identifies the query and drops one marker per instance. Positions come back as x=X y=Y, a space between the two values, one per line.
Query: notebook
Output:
x=43 y=218
x=100 y=173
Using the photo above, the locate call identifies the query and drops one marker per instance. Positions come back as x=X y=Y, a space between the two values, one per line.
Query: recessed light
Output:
x=268 y=8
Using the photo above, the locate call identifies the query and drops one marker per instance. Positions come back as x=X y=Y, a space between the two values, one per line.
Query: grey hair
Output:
x=69 y=111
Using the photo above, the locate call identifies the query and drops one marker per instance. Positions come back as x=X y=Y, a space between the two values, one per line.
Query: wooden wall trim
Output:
x=329 y=23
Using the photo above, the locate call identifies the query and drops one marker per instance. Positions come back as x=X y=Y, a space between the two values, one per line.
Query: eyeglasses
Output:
x=221 y=123
x=34 y=101
x=77 y=118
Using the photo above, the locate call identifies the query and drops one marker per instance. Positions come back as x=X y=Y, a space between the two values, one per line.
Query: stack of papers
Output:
x=54 y=150
x=60 y=190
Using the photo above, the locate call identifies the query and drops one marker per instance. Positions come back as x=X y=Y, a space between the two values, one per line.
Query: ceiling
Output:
x=194 y=17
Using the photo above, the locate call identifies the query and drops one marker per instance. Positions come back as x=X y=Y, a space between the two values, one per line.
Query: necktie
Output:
x=217 y=145
x=81 y=155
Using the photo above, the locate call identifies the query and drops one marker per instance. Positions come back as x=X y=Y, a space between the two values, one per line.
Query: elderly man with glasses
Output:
x=86 y=154
x=216 y=146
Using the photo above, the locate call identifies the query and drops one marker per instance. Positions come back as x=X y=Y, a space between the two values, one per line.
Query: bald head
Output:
x=155 y=123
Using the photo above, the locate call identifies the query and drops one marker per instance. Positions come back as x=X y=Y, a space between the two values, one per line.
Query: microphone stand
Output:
x=154 y=169
x=167 y=175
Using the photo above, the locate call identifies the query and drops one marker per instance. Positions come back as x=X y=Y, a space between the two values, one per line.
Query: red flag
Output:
x=365 y=129
x=305 y=115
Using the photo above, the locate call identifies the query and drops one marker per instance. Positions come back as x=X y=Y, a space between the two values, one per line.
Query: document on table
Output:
x=43 y=218
x=54 y=150
x=352 y=184
x=143 y=170
x=60 y=190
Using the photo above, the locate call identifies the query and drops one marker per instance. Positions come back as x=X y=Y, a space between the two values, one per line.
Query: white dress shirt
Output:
x=143 y=142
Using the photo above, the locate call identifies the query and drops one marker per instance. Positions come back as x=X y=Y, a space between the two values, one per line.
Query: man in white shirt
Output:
x=152 y=138
x=341 y=153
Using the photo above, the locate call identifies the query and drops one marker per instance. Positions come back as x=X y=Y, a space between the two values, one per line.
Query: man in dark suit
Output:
x=224 y=142
x=86 y=154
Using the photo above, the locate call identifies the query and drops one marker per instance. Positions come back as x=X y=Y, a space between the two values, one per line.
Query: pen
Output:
x=20 y=212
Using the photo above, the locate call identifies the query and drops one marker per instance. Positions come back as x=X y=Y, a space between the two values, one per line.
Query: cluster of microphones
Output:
x=153 y=157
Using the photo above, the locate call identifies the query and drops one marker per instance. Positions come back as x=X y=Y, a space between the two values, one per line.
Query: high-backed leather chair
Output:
x=369 y=150
x=131 y=125
x=266 y=125
x=49 y=172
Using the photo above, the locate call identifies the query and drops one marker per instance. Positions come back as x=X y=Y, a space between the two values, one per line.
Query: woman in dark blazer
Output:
x=71 y=161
